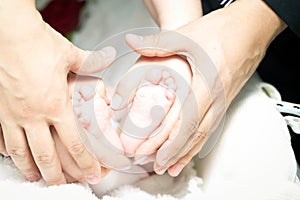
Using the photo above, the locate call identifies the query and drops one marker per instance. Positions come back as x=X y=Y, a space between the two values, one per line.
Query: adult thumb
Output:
x=158 y=45
x=88 y=62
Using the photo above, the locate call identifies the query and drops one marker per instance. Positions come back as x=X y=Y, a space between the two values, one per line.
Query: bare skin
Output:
x=34 y=63
x=151 y=102
x=236 y=39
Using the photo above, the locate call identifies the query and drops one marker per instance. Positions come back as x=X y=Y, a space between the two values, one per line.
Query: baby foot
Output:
x=91 y=108
x=152 y=101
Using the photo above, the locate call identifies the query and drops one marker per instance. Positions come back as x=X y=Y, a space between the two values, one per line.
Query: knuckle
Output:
x=45 y=159
x=192 y=126
x=57 y=105
x=17 y=152
x=25 y=111
x=199 y=135
x=28 y=110
x=76 y=149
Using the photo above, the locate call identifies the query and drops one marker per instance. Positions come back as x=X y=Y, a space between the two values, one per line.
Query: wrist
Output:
x=172 y=14
x=248 y=28
x=255 y=20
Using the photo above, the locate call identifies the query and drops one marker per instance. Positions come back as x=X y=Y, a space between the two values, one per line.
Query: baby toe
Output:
x=154 y=76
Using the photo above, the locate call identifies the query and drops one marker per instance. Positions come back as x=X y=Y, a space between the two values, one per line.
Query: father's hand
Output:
x=34 y=63
x=235 y=39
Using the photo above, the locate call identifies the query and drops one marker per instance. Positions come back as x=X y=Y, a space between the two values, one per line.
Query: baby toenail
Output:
x=75 y=102
x=76 y=96
x=92 y=179
x=170 y=95
x=165 y=74
x=85 y=119
x=87 y=92
x=33 y=177
x=169 y=81
x=154 y=76
x=77 y=111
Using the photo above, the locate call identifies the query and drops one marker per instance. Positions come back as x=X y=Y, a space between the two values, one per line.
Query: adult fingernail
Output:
x=116 y=102
x=136 y=40
x=161 y=171
x=176 y=169
x=109 y=53
x=92 y=179
x=33 y=177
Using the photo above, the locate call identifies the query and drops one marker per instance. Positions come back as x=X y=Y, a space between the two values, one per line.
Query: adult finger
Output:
x=87 y=62
x=158 y=45
x=44 y=153
x=154 y=142
x=17 y=147
x=175 y=169
x=210 y=129
x=207 y=94
x=210 y=124
x=69 y=135
x=69 y=167
x=193 y=110
x=2 y=144
x=176 y=163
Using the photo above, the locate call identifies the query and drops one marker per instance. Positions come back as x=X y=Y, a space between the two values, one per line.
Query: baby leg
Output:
x=153 y=99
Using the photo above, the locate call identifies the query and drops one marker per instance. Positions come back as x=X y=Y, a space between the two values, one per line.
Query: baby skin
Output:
x=155 y=93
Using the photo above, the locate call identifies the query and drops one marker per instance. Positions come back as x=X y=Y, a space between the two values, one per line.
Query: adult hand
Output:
x=70 y=168
x=34 y=63
x=235 y=39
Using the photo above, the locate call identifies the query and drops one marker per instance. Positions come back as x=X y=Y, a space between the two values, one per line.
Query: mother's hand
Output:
x=235 y=39
x=34 y=63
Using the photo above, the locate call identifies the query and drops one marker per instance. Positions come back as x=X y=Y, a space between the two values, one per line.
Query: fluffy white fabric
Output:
x=252 y=160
